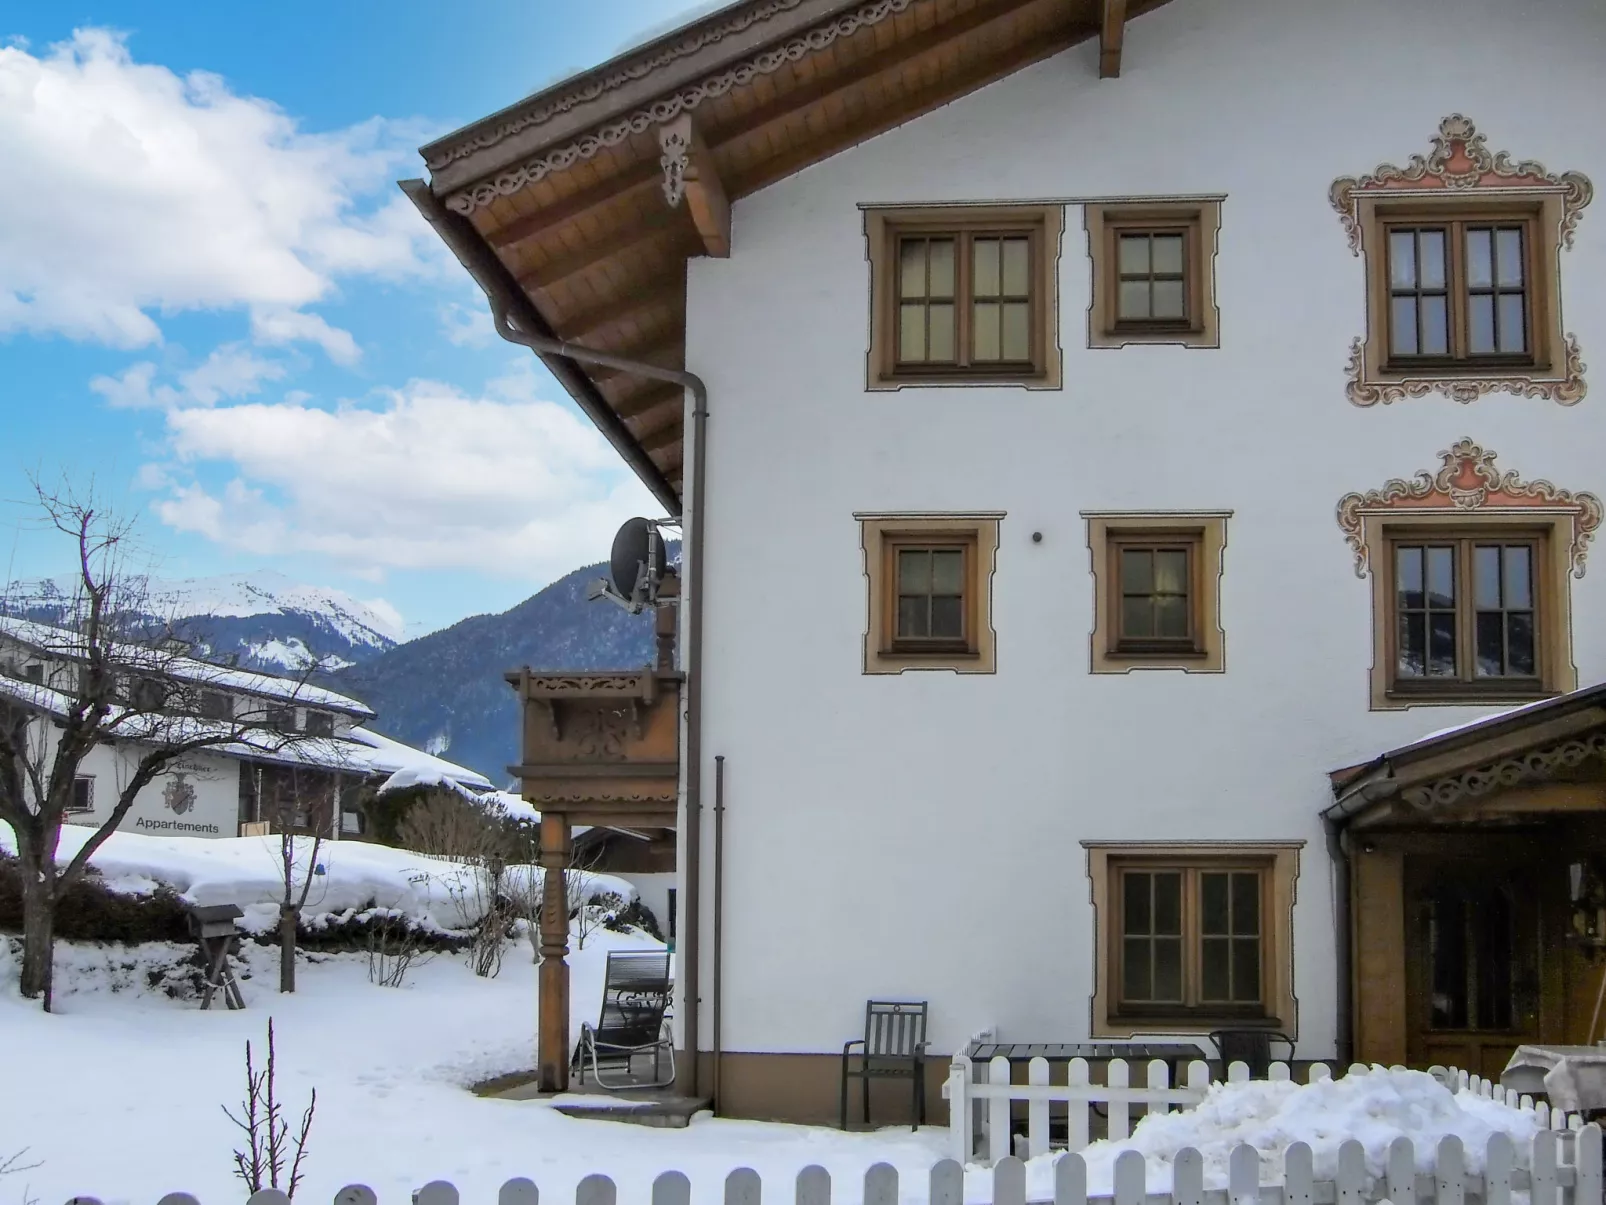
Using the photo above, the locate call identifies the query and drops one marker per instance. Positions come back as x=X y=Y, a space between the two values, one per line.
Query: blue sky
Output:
x=217 y=310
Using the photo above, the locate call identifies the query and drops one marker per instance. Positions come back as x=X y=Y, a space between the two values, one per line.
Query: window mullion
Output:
x=1191 y=952
x=1466 y=613
x=963 y=298
x=1456 y=285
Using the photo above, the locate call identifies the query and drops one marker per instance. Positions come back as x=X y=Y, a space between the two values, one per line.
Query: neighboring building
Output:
x=1115 y=470
x=315 y=780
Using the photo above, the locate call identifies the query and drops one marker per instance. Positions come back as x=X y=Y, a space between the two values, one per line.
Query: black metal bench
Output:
x=635 y=1000
x=893 y=1047
x=1252 y=1047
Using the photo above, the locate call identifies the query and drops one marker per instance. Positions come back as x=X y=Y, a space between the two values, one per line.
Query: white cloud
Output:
x=467 y=325
x=278 y=327
x=429 y=479
x=134 y=191
x=231 y=371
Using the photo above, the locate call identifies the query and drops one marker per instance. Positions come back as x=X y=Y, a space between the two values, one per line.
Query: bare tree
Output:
x=102 y=676
x=301 y=803
x=267 y=1131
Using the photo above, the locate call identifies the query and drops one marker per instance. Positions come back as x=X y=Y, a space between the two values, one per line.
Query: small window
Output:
x=1465 y=613
x=964 y=296
x=34 y=672
x=1153 y=273
x=929 y=581
x=351 y=823
x=1193 y=937
x=83 y=794
x=1460 y=292
x=146 y=693
x=215 y=705
x=320 y=723
x=281 y=719
x=1157 y=585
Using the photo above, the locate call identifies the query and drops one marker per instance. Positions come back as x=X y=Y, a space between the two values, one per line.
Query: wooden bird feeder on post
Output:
x=214 y=929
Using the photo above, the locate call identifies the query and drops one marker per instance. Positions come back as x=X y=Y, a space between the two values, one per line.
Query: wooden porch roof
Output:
x=594 y=193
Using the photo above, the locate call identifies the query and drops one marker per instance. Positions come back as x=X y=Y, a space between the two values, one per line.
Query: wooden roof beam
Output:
x=690 y=174
x=638 y=177
x=664 y=353
x=1112 y=31
x=634 y=240
x=657 y=393
x=663 y=417
x=641 y=301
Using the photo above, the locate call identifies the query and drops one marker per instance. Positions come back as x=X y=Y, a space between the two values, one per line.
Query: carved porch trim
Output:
x=1536 y=764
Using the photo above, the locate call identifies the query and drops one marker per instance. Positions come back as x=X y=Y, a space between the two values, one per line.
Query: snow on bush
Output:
x=1373 y=1107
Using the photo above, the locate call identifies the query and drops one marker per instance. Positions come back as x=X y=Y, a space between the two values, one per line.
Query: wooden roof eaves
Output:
x=491 y=274
x=623 y=82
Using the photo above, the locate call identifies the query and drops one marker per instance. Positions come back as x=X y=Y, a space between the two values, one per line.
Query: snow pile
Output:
x=1373 y=1107
x=348 y=876
x=514 y=806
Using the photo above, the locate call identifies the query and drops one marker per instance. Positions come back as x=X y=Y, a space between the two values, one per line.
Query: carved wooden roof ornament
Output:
x=1468 y=481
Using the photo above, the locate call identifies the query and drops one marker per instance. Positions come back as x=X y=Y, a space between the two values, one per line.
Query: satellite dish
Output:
x=635 y=567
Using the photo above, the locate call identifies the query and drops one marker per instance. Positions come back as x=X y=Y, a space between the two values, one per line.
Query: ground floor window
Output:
x=1193 y=937
x=83 y=794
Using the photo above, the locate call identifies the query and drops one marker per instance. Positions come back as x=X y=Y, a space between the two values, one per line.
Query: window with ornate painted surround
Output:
x=964 y=296
x=1153 y=272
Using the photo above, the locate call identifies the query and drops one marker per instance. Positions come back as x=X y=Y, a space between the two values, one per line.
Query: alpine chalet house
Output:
x=312 y=779
x=1140 y=476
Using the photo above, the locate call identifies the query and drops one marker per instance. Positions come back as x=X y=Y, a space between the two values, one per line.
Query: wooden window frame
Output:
x=885 y=229
x=1455 y=223
x=73 y=806
x=1204 y=533
x=1199 y=222
x=881 y=536
x=1278 y=864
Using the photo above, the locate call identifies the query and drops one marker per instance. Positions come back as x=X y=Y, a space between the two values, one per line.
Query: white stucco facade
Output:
x=199 y=796
x=919 y=835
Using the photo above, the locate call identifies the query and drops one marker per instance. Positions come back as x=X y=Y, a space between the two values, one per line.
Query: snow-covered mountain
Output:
x=263 y=619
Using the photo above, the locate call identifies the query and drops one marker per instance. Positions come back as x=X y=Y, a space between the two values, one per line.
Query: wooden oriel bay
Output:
x=603 y=750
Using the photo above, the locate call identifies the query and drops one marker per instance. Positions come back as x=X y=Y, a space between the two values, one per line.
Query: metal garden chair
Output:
x=893 y=1047
x=635 y=1000
x=1251 y=1047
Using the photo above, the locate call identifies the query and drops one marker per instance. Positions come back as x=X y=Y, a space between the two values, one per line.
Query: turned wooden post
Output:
x=553 y=1048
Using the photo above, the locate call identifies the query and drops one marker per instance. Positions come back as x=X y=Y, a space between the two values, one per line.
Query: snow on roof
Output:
x=64 y=642
x=510 y=804
x=411 y=767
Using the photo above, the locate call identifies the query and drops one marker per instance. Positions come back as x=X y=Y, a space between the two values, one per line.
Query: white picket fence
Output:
x=1562 y=1168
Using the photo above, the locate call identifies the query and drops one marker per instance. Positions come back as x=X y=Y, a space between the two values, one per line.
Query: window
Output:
x=281 y=719
x=1193 y=937
x=34 y=672
x=351 y=823
x=929 y=592
x=1157 y=581
x=1459 y=292
x=964 y=296
x=146 y=693
x=1469 y=936
x=214 y=705
x=83 y=794
x=1465 y=612
x=320 y=723
x=1153 y=273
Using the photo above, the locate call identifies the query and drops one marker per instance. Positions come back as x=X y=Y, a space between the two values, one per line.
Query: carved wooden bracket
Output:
x=690 y=174
x=1467 y=480
x=1112 y=32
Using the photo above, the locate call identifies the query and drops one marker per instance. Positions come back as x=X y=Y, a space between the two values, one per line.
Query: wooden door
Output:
x=1473 y=961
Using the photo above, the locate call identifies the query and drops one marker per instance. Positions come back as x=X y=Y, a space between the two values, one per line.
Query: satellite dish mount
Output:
x=638 y=568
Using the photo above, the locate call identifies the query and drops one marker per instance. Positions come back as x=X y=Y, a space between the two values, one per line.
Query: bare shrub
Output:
x=262 y=1164
x=443 y=824
x=395 y=947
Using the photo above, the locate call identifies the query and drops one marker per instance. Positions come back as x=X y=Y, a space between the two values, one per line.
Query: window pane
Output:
x=1480 y=317
x=1402 y=259
x=1491 y=640
x=912 y=277
x=1168 y=970
x=1521 y=660
x=942 y=334
x=1480 y=262
x=1441 y=644
x=1017 y=267
x=1486 y=576
x=912 y=332
x=1171 y=571
x=1171 y=616
x=1135 y=912
x=1441 y=577
x=1245 y=903
x=1404 y=326
x=1215 y=969
x=1136 y=982
x=1168 y=300
x=1518 y=577
x=1408 y=576
x=912 y=616
x=1168 y=254
x=1017 y=331
x=1134 y=299
x=1168 y=903
x=948 y=617
x=914 y=571
x=1508 y=256
x=948 y=571
x=1137 y=617
x=1413 y=655
x=985 y=336
x=1513 y=335
x=1431 y=245
x=942 y=267
x=1137 y=571
x=1134 y=255
x=1435 y=326
x=1246 y=970
x=1213 y=904
x=985 y=266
